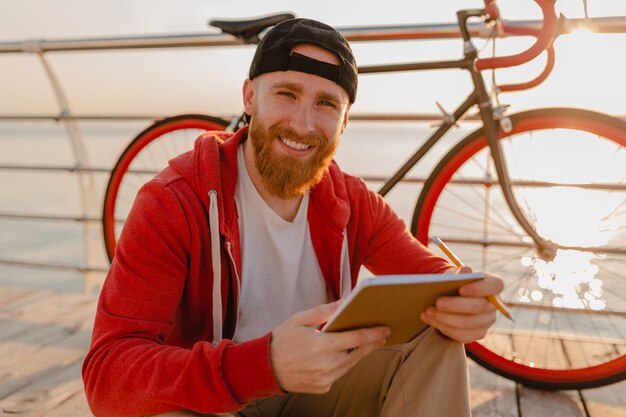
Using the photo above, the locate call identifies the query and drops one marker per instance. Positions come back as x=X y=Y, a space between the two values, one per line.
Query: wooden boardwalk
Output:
x=44 y=336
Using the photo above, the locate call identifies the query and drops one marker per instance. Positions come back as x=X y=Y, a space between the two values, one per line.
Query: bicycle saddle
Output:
x=249 y=30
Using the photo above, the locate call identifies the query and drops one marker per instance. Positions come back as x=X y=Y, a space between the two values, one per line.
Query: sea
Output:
x=30 y=191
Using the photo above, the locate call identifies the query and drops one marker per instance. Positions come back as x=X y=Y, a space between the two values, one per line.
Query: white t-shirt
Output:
x=280 y=274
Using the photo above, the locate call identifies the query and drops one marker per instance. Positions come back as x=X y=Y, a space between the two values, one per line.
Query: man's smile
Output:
x=300 y=148
x=294 y=145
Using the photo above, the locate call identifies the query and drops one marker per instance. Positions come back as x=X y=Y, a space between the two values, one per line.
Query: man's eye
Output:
x=286 y=94
x=327 y=103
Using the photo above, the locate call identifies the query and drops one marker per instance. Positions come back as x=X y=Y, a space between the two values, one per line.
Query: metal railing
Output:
x=612 y=24
x=94 y=263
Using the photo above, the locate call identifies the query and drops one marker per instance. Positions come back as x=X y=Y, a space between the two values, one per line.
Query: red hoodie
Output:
x=157 y=345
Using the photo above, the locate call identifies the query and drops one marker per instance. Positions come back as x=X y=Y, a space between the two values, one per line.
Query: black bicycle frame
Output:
x=479 y=97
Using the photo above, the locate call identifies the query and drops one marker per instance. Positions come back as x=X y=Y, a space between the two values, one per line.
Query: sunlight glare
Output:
x=536 y=295
x=526 y=261
x=583 y=33
x=565 y=210
x=573 y=216
x=570 y=278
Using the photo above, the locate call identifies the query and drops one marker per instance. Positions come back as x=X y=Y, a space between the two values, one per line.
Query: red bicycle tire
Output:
x=606 y=126
x=151 y=134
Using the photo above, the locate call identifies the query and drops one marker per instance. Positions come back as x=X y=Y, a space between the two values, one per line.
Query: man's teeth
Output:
x=295 y=145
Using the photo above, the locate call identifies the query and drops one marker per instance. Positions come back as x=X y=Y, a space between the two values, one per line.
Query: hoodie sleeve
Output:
x=130 y=370
x=391 y=248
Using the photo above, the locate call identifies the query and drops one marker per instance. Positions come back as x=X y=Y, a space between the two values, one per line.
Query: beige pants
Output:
x=425 y=378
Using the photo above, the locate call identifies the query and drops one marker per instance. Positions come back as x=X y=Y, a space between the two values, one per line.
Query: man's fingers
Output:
x=463 y=335
x=363 y=351
x=358 y=338
x=309 y=361
x=316 y=315
x=464 y=305
x=461 y=321
x=490 y=285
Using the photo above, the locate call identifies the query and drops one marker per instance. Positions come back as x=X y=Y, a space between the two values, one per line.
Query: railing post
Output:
x=93 y=252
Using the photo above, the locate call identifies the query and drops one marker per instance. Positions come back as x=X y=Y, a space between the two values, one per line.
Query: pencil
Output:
x=497 y=303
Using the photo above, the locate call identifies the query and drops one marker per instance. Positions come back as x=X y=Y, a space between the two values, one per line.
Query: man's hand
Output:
x=306 y=360
x=467 y=317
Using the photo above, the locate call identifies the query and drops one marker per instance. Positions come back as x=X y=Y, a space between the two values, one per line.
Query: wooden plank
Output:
x=536 y=403
x=18 y=349
x=12 y=308
x=491 y=394
x=41 y=363
x=540 y=351
x=9 y=295
x=43 y=310
x=76 y=406
x=595 y=339
x=29 y=308
x=46 y=360
x=45 y=394
x=609 y=401
x=500 y=343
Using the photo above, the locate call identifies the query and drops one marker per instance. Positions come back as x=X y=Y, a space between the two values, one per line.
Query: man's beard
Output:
x=285 y=176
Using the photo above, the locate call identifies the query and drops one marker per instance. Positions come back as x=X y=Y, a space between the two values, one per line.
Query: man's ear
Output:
x=248 y=91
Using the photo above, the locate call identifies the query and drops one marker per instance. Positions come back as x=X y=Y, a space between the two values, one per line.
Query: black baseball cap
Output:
x=274 y=53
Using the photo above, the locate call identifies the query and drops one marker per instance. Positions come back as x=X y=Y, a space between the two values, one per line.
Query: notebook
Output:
x=395 y=301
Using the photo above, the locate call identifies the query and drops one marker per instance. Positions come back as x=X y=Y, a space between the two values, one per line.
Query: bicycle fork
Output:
x=545 y=248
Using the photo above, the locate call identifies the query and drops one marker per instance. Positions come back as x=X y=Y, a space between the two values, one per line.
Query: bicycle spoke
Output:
x=503 y=223
x=511 y=157
x=465 y=201
x=457 y=212
x=469 y=217
x=147 y=164
x=484 y=169
x=612 y=158
x=448 y=226
x=616 y=274
x=615 y=212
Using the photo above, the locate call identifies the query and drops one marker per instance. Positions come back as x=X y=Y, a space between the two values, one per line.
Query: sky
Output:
x=588 y=73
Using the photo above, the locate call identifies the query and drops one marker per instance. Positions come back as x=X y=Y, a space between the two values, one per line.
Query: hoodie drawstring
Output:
x=345 y=283
x=214 y=230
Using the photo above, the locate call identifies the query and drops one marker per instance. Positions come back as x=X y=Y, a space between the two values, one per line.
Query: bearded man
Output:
x=235 y=254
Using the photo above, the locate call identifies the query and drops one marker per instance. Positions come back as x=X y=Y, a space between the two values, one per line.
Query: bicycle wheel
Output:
x=568 y=170
x=146 y=155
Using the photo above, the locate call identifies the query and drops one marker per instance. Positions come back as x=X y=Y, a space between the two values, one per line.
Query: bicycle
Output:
x=565 y=290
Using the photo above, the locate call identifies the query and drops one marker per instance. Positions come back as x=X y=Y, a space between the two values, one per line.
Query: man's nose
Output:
x=302 y=120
